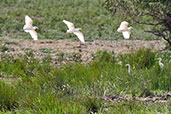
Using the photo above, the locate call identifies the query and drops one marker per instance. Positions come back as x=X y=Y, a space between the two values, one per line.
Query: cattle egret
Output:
x=74 y=30
x=28 y=27
x=160 y=63
x=126 y=31
x=129 y=69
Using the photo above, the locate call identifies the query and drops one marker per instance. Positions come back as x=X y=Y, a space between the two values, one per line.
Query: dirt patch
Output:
x=54 y=48
x=163 y=98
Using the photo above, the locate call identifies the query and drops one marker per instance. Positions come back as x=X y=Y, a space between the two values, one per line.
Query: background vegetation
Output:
x=96 y=21
x=156 y=14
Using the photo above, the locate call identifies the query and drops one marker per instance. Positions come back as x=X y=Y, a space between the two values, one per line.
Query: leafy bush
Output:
x=156 y=14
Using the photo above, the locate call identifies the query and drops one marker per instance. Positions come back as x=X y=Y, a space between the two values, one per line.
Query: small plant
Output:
x=76 y=57
x=47 y=50
x=12 y=43
x=26 y=49
x=61 y=56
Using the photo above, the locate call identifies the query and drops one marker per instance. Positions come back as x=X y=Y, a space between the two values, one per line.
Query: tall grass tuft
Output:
x=49 y=104
x=143 y=58
x=8 y=97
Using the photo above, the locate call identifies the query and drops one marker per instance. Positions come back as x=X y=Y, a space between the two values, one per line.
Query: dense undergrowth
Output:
x=90 y=15
x=33 y=86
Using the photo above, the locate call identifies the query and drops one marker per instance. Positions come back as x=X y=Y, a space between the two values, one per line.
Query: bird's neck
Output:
x=129 y=68
x=160 y=60
x=129 y=28
x=77 y=29
x=69 y=31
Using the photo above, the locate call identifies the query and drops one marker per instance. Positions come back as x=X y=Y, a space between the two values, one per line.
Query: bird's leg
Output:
x=80 y=44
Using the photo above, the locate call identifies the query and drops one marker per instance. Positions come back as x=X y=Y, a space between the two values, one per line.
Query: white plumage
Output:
x=160 y=63
x=126 y=31
x=129 y=69
x=28 y=27
x=74 y=30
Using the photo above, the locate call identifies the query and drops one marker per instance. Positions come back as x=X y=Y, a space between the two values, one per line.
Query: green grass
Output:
x=76 y=88
x=4 y=48
x=41 y=87
x=47 y=50
x=8 y=97
x=95 y=20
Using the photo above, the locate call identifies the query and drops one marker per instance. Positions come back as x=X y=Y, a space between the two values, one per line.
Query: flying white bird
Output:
x=74 y=30
x=160 y=63
x=129 y=69
x=126 y=31
x=28 y=27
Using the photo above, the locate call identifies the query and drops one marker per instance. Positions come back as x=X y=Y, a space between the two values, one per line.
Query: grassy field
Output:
x=29 y=85
x=96 y=21
x=34 y=86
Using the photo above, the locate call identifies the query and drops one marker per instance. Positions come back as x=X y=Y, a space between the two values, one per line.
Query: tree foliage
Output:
x=156 y=13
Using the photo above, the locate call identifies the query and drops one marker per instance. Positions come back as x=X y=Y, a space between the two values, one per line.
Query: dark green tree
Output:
x=155 y=13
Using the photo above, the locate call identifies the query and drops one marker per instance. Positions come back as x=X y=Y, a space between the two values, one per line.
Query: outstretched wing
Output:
x=126 y=34
x=123 y=27
x=124 y=24
x=80 y=36
x=33 y=34
x=69 y=24
x=28 y=21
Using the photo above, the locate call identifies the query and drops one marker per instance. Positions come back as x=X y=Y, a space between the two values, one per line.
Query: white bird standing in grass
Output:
x=126 y=31
x=129 y=69
x=160 y=63
x=28 y=27
x=74 y=30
